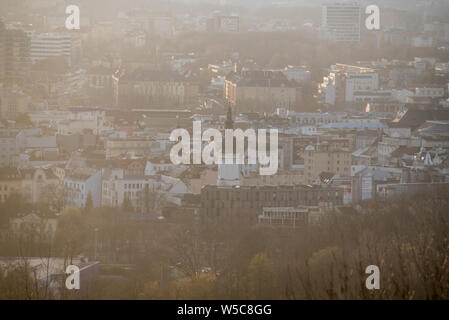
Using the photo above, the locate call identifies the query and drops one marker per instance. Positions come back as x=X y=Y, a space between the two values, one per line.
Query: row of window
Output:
x=273 y=196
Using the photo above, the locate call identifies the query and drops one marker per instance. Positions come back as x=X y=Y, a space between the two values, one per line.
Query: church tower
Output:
x=229 y=123
x=229 y=174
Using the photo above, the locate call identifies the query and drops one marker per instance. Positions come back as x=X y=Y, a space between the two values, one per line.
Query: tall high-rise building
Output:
x=340 y=22
x=14 y=56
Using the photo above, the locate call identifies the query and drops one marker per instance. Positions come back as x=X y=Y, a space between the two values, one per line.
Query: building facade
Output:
x=340 y=22
x=246 y=203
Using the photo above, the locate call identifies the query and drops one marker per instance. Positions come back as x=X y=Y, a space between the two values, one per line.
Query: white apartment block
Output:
x=297 y=73
x=345 y=81
x=47 y=45
x=430 y=92
x=340 y=22
x=116 y=188
x=364 y=81
x=79 y=185
x=81 y=118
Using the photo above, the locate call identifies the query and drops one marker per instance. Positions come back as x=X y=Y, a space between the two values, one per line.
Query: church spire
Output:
x=229 y=124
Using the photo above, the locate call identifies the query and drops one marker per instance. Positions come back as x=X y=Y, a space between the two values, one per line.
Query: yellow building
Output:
x=38 y=184
x=10 y=183
x=326 y=158
x=153 y=88
x=128 y=147
x=34 y=185
x=268 y=89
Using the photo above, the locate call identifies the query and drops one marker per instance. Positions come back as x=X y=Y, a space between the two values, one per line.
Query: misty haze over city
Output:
x=224 y=150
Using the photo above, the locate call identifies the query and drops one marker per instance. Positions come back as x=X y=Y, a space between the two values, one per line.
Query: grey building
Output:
x=247 y=202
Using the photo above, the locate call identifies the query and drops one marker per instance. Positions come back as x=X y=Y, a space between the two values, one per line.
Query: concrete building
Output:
x=81 y=184
x=10 y=182
x=80 y=119
x=14 y=56
x=345 y=82
x=409 y=190
x=340 y=22
x=48 y=45
x=38 y=184
x=326 y=157
x=13 y=101
x=246 y=203
x=145 y=87
x=281 y=178
x=299 y=74
x=264 y=89
x=128 y=147
x=142 y=193
x=285 y=217
x=34 y=184
x=8 y=148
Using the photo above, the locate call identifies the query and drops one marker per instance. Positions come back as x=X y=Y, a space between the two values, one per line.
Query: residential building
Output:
x=8 y=148
x=266 y=90
x=326 y=157
x=345 y=82
x=128 y=147
x=40 y=227
x=156 y=88
x=143 y=193
x=80 y=185
x=38 y=184
x=10 y=183
x=80 y=119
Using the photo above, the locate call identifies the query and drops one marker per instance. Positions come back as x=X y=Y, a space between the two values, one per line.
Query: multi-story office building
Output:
x=247 y=203
x=47 y=45
x=14 y=56
x=340 y=22
x=345 y=82
x=292 y=217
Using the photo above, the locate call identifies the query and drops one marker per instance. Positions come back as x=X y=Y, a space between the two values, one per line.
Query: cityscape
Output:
x=224 y=150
